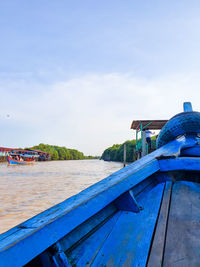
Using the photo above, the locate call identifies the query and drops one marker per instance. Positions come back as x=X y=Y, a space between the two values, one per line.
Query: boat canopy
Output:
x=152 y=124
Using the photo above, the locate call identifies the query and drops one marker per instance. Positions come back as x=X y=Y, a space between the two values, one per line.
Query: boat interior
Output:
x=159 y=228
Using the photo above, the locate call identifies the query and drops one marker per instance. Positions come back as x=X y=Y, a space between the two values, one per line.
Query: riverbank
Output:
x=62 y=153
x=116 y=152
x=44 y=152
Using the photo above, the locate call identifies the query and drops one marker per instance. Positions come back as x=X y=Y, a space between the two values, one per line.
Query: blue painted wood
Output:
x=158 y=244
x=186 y=164
x=59 y=257
x=127 y=202
x=162 y=177
x=52 y=257
x=129 y=242
x=183 y=232
x=87 y=227
x=191 y=151
x=85 y=252
x=182 y=143
x=45 y=229
x=139 y=188
x=187 y=106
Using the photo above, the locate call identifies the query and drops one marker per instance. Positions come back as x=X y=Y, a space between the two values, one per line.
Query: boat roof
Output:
x=153 y=124
x=5 y=149
x=38 y=151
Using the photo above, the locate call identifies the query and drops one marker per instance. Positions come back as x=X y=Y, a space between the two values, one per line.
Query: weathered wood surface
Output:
x=158 y=244
x=85 y=252
x=139 y=188
x=182 y=247
x=87 y=227
x=129 y=242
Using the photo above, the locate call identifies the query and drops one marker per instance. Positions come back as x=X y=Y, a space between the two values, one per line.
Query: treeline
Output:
x=116 y=152
x=62 y=153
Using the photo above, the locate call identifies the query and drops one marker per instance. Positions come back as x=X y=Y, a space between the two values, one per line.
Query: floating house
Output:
x=37 y=154
x=42 y=156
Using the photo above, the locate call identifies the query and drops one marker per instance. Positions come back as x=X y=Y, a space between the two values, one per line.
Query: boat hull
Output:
x=18 y=162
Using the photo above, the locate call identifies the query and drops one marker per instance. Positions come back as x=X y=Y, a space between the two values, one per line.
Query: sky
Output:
x=76 y=73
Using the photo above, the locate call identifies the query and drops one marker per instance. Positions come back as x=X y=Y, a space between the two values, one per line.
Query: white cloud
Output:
x=94 y=111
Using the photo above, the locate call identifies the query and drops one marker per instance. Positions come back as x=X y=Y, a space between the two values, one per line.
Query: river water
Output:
x=28 y=190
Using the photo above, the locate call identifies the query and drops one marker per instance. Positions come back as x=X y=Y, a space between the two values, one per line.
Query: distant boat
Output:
x=19 y=160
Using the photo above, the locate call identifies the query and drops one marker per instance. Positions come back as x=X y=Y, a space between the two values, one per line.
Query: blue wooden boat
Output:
x=12 y=161
x=146 y=214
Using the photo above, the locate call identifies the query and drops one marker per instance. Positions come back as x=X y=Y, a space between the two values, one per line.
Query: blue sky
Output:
x=76 y=73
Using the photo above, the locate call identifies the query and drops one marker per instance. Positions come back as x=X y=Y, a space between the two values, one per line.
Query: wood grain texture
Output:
x=183 y=234
x=129 y=242
x=85 y=252
x=87 y=227
x=158 y=244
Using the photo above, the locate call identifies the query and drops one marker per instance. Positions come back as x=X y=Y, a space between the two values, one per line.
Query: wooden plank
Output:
x=129 y=242
x=186 y=164
x=139 y=188
x=157 y=248
x=183 y=234
x=84 y=253
x=85 y=228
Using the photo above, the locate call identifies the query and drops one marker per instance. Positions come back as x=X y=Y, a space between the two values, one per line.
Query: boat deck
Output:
x=176 y=241
x=165 y=233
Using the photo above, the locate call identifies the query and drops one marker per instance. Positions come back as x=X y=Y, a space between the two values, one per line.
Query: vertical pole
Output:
x=136 y=141
x=187 y=106
x=134 y=157
x=124 y=155
x=136 y=145
x=143 y=143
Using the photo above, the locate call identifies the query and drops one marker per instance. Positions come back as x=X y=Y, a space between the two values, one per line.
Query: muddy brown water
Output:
x=28 y=190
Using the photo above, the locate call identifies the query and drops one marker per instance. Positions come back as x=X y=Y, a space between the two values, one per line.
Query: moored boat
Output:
x=21 y=157
x=18 y=160
x=146 y=214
